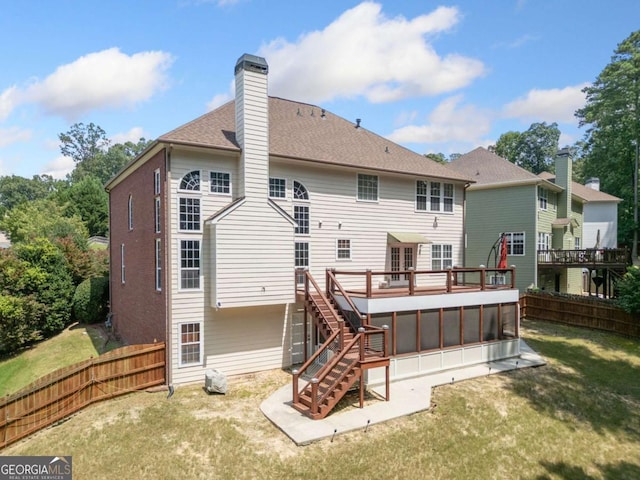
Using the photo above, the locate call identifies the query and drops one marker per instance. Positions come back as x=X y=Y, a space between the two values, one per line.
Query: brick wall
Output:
x=139 y=310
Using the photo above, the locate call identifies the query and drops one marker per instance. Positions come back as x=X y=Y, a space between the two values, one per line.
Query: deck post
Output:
x=368 y=283
x=362 y=339
x=296 y=397
x=449 y=279
x=314 y=395
x=412 y=280
x=513 y=276
x=361 y=390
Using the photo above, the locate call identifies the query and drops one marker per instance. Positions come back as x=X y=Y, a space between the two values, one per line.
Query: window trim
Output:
x=123 y=276
x=284 y=188
x=427 y=197
x=359 y=197
x=543 y=198
x=181 y=269
x=200 y=343
x=187 y=230
x=199 y=190
x=220 y=172
x=347 y=249
x=300 y=281
x=442 y=258
x=305 y=228
x=156 y=214
x=130 y=212
x=156 y=181
x=510 y=244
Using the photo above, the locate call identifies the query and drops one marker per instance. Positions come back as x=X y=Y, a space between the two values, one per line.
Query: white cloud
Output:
x=364 y=53
x=133 y=135
x=14 y=135
x=59 y=167
x=553 y=105
x=218 y=100
x=449 y=122
x=8 y=101
x=106 y=79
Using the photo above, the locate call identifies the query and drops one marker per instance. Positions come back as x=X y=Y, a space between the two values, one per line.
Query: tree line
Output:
x=51 y=275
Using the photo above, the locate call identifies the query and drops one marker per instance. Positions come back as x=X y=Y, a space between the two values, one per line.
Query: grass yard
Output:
x=578 y=417
x=74 y=344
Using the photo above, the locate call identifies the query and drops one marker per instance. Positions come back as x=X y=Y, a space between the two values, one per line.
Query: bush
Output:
x=91 y=299
x=18 y=323
x=629 y=291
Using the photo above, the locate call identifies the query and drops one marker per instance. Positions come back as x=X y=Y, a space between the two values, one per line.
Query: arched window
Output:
x=299 y=191
x=191 y=181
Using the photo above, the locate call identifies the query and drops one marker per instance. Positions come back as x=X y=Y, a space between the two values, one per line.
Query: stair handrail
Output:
x=325 y=300
x=298 y=372
x=332 y=282
x=334 y=361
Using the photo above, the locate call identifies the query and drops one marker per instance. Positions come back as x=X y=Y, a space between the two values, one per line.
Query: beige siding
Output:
x=335 y=213
x=237 y=341
x=254 y=262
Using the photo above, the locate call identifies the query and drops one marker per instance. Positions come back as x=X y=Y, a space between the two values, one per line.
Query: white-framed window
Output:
x=156 y=181
x=301 y=216
x=277 y=187
x=156 y=214
x=577 y=243
x=158 y=264
x=190 y=343
x=122 y=272
x=189 y=214
x=441 y=256
x=367 y=187
x=544 y=241
x=301 y=259
x=190 y=182
x=515 y=243
x=343 y=249
x=189 y=264
x=434 y=196
x=543 y=198
x=220 y=182
x=300 y=192
x=130 y=212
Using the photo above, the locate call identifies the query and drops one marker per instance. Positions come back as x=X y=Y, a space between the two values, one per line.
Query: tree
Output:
x=534 y=149
x=88 y=200
x=436 y=157
x=612 y=117
x=83 y=142
x=42 y=219
x=15 y=190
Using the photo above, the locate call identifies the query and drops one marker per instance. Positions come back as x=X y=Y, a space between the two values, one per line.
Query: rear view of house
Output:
x=228 y=230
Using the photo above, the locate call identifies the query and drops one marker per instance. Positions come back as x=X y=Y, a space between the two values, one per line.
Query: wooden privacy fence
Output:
x=582 y=312
x=65 y=391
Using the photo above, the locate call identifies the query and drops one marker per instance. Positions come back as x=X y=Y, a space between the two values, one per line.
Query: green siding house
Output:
x=537 y=215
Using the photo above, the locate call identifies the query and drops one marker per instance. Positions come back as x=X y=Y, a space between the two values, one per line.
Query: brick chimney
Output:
x=252 y=125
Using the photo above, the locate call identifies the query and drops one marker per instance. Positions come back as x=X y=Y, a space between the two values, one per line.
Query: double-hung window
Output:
x=189 y=208
x=515 y=243
x=543 y=198
x=343 y=249
x=158 y=264
x=367 y=187
x=441 y=256
x=301 y=211
x=189 y=264
x=434 y=196
x=190 y=344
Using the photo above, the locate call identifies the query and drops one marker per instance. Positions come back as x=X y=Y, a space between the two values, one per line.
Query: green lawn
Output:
x=76 y=343
x=578 y=417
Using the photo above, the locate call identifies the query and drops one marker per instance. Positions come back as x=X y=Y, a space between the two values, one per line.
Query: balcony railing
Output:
x=588 y=257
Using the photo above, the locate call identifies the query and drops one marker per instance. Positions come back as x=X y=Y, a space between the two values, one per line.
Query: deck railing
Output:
x=587 y=257
x=419 y=282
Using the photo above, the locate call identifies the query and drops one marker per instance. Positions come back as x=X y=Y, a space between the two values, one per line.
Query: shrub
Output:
x=18 y=322
x=90 y=301
x=629 y=291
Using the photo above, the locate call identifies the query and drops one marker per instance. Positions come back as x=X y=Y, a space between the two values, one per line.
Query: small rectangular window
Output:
x=189 y=264
x=156 y=213
x=190 y=344
x=189 y=213
x=577 y=240
x=447 y=197
x=543 y=198
x=343 y=249
x=156 y=182
x=221 y=182
x=515 y=243
x=301 y=216
x=158 y=264
x=367 y=187
x=277 y=188
x=301 y=260
x=441 y=257
x=422 y=193
x=130 y=212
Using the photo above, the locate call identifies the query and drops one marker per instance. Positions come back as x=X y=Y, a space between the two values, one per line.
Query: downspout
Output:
x=464 y=224
x=167 y=270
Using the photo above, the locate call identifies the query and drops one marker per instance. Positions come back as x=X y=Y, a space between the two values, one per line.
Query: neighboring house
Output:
x=4 y=241
x=219 y=230
x=542 y=216
x=600 y=212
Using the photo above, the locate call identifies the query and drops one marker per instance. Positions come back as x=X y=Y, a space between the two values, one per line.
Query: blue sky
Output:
x=434 y=76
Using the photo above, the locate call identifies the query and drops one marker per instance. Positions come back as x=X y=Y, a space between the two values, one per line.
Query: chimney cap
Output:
x=252 y=63
x=564 y=152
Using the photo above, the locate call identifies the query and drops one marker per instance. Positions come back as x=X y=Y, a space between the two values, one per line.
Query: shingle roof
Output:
x=585 y=193
x=300 y=131
x=487 y=168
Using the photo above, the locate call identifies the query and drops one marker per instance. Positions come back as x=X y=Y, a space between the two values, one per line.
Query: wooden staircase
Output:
x=339 y=363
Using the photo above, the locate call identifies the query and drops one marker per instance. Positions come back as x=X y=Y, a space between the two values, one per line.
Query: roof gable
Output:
x=487 y=168
x=307 y=132
x=583 y=192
